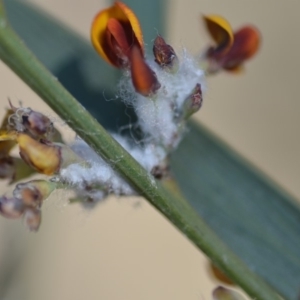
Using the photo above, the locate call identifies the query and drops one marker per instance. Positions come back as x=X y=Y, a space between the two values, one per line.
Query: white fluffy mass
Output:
x=157 y=115
x=99 y=178
x=159 y=122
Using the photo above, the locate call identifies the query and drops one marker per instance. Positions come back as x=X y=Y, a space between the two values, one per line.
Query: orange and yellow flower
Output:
x=232 y=48
x=117 y=36
x=114 y=32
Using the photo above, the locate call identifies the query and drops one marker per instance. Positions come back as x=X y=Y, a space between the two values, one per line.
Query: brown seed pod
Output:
x=11 y=208
x=34 y=123
x=34 y=192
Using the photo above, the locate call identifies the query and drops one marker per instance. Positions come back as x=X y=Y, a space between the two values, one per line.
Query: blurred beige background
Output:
x=122 y=250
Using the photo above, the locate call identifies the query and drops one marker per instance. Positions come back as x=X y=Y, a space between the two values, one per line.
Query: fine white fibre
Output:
x=100 y=179
x=157 y=116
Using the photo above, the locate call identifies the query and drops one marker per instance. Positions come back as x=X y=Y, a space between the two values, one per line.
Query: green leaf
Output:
x=257 y=221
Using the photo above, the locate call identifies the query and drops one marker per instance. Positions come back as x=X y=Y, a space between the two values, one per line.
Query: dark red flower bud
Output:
x=246 y=44
x=165 y=55
x=193 y=102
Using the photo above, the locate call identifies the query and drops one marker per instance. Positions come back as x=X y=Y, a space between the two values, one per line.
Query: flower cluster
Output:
x=165 y=92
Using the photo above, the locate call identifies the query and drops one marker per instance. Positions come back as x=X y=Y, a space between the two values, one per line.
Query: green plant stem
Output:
x=17 y=56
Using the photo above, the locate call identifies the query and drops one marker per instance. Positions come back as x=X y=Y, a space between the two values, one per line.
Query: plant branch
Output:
x=17 y=56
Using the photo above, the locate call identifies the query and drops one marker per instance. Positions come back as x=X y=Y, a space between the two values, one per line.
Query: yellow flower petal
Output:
x=6 y=138
x=220 y=30
x=44 y=158
x=6 y=135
